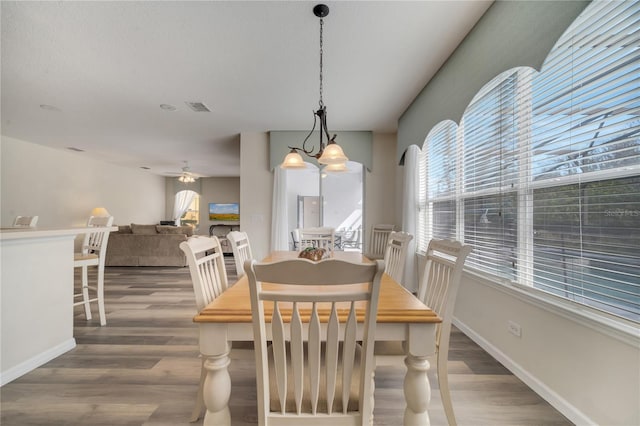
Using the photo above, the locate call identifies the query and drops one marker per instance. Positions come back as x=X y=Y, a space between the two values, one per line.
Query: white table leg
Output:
x=419 y=347
x=417 y=391
x=217 y=390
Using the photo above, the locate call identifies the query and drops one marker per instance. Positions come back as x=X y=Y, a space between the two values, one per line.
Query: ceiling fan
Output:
x=186 y=175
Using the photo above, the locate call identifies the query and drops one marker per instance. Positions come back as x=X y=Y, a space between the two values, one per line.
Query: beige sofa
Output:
x=147 y=245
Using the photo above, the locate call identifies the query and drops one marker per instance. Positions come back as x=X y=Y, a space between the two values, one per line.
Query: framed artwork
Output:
x=224 y=212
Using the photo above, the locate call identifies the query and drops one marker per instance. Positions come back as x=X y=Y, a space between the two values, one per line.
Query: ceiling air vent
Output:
x=198 y=106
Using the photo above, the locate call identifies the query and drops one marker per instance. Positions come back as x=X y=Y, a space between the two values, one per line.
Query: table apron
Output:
x=216 y=338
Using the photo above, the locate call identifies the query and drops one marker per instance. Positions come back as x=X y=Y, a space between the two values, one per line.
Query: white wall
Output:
x=62 y=187
x=588 y=372
x=382 y=194
x=256 y=188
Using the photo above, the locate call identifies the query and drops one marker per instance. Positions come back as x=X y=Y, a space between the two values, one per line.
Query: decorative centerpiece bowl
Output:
x=312 y=253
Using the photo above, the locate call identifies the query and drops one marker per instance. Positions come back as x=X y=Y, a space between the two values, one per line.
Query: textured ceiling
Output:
x=106 y=67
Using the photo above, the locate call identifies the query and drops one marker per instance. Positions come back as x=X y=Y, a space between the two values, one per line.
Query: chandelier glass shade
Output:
x=336 y=167
x=329 y=152
x=293 y=160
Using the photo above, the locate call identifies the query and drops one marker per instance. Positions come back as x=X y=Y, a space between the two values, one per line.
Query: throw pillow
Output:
x=169 y=229
x=187 y=230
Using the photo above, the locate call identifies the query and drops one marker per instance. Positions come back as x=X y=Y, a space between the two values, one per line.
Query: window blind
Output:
x=490 y=160
x=542 y=177
x=442 y=176
x=585 y=153
x=423 y=228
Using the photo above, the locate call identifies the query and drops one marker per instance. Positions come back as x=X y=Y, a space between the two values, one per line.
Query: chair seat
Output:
x=306 y=402
x=81 y=259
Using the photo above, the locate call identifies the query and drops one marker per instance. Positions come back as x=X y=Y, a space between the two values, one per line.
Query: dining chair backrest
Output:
x=25 y=221
x=297 y=375
x=395 y=255
x=96 y=242
x=323 y=237
x=438 y=290
x=350 y=239
x=209 y=278
x=206 y=267
x=378 y=241
x=241 y=249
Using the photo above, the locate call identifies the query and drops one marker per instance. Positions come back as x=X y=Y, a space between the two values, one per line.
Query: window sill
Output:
x=618 y=328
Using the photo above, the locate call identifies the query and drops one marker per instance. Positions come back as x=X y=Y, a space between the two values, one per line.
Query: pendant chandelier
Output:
x=329 y=152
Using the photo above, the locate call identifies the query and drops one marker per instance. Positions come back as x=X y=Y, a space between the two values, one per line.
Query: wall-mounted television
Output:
x=224 y=212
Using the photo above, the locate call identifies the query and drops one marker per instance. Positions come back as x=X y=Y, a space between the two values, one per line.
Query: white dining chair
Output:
x=438 y=290
x=93 y=253
x=322 y=237
x=295 y=239
x=209 y=278
x=378 y=241
x=25 y=221
x=350 y=239
x=241 y=249
x=314 y=374
x=395 y=255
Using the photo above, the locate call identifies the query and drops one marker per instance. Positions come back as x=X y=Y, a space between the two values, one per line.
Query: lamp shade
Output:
x=100 y=212
x=333 y=154
x=293 y=160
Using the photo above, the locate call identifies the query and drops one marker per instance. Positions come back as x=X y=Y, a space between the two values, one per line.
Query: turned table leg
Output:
x=217 y=390
x=417 y=391
x=419 y=347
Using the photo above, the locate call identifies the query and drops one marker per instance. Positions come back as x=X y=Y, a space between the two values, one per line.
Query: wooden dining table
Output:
x=401 y=317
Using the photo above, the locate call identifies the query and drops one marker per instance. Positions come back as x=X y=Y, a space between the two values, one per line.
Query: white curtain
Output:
x=280 y=219
x=181 y=203
x=409 y=214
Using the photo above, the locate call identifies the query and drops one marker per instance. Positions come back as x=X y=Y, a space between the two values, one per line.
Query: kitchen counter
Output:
x=36 y=297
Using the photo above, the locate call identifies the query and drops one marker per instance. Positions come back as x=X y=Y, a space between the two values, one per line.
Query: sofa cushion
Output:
x=145 y=250
x=187 y=230
x=143 y=229
x=124 y=229
x=170 y=229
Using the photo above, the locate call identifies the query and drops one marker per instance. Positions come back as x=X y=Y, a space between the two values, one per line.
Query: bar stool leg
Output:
x=100 y=291
x=85 y=292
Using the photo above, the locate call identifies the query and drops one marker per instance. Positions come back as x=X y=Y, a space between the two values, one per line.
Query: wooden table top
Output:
x=396 y=304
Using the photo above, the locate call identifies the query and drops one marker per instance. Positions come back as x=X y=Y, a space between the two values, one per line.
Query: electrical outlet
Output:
x=514 y=328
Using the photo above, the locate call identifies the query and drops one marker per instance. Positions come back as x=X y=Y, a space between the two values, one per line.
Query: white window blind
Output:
x=490 y=176
x=442 y=176
x=423 y=228
x=542 y=177
x=585 y=156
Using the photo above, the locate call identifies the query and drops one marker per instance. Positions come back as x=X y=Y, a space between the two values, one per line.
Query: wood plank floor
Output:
x=143 y=369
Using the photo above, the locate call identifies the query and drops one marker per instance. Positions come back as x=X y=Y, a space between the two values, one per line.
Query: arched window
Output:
x=542 y=176
x=186 y=208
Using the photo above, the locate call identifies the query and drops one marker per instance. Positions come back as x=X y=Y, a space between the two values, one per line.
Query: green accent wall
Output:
x=510 y=34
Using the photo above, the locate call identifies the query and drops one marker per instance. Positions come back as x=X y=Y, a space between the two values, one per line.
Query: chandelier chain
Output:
x=321 y=45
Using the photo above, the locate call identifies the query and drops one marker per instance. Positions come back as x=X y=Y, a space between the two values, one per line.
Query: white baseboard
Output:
x=548 y=394
x=36 y=361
